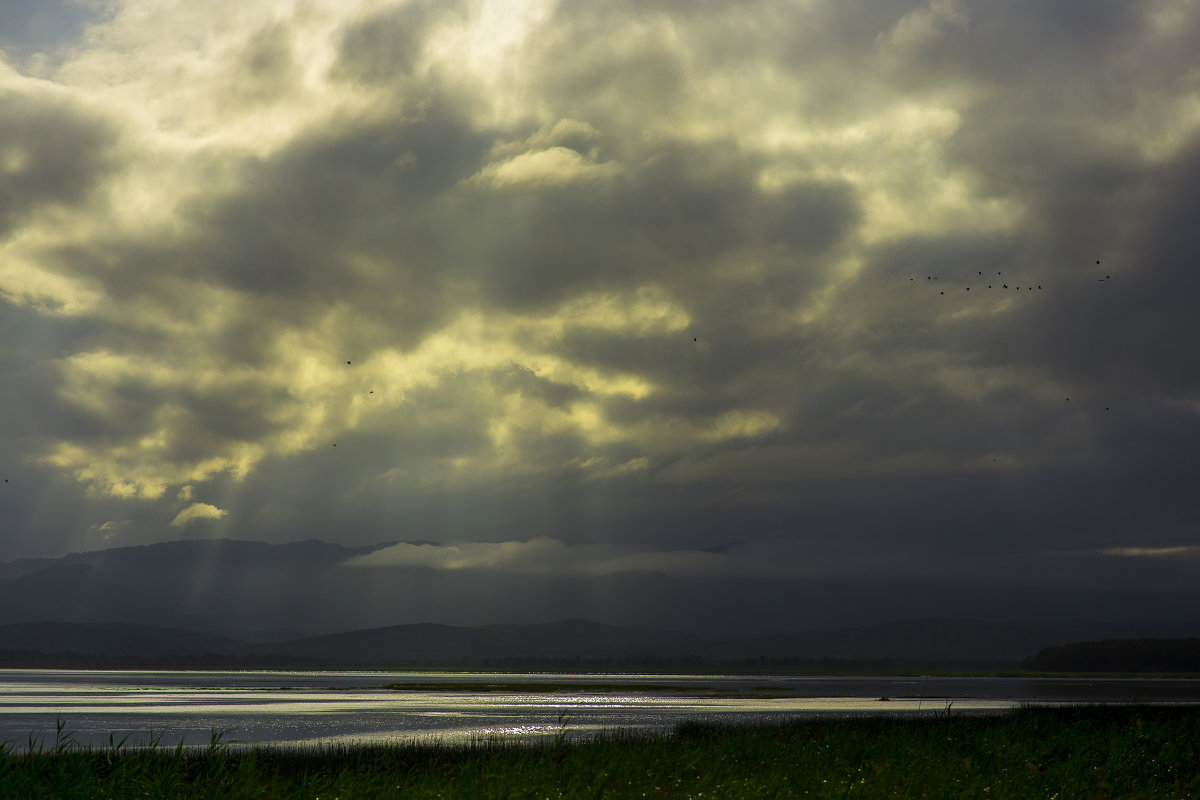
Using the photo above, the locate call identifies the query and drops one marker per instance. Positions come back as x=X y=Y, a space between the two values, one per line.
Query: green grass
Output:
x=1078 y=752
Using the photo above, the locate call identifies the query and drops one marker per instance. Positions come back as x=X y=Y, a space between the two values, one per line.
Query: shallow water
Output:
x=304 y=708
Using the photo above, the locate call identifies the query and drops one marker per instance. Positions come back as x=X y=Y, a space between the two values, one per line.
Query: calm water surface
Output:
x=305 y=708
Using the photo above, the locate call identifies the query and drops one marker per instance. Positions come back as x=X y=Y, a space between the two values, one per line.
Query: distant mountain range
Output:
x=298 y=603
x=928 y=642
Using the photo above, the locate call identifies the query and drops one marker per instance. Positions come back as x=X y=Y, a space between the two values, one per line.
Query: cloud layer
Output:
x=588 y=286
x=542 y=556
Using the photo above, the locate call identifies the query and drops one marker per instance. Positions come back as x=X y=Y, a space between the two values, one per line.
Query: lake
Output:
x=347 y=707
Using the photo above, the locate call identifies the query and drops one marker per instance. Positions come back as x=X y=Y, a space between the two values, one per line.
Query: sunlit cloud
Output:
x=109 y=529
x=1152 y=552
x=542 y=556
x=541 y=168
x=197 y=511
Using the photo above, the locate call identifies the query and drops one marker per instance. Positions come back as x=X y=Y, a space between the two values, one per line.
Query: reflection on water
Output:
x=295 y=708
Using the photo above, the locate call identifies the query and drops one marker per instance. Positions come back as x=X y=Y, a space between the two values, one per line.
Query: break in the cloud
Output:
x=541 y=556
x=645 y=278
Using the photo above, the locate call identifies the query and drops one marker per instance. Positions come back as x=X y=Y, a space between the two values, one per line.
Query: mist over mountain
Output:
x=307 y=600
x=242 y=587
x=269 y=592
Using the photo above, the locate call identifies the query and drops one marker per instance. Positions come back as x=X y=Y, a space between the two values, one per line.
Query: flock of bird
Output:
x=999 y=274
x=372 y=391
x=979 y=273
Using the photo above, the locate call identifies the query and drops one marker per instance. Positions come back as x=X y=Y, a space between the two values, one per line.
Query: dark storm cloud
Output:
x=586 y=77
x=263 y=71
x=524 y=381
x=679 y=207
x=388 y=44
x=51 y=152
x=1123 y=331
x=653 y=54
x=1063 y=35
x=365 y=188
x=807 y=217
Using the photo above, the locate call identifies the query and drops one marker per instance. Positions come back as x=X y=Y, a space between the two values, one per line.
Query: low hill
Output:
x=448 y=643
x=942 y=642
x=1120 y=655
x=942 y=639
x=115 y=644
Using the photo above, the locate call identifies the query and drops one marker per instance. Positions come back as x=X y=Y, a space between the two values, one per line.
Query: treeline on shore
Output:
x=1120 y=655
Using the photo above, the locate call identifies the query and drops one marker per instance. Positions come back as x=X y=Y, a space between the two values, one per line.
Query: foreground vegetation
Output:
x=1084 y=752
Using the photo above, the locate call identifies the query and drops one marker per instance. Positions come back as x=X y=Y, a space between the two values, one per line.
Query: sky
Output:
x=803 y=291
